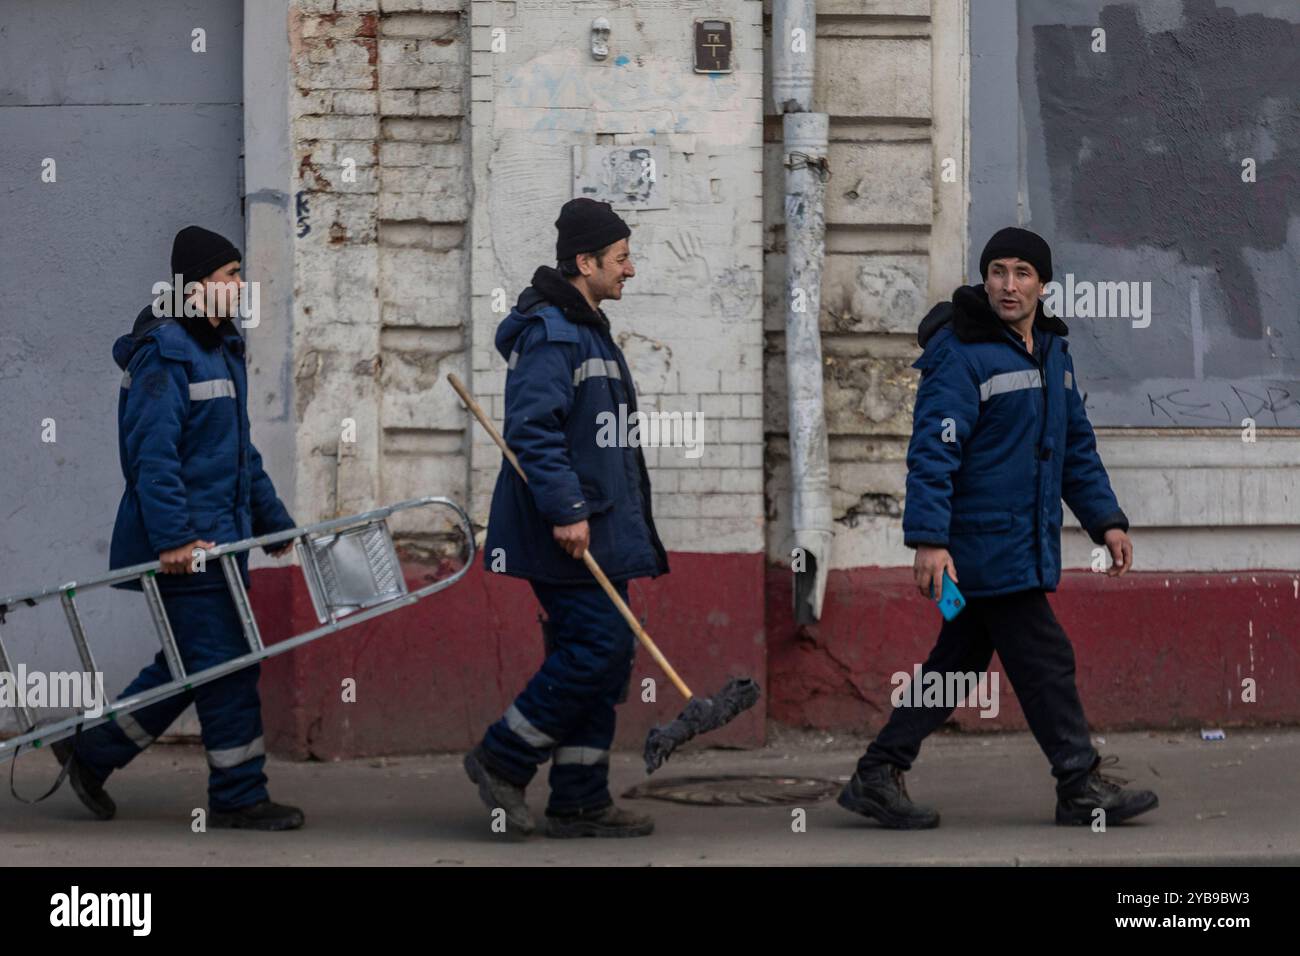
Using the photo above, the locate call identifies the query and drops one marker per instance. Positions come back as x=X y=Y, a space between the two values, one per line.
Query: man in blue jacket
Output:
x=999 y=437
x=193 y=480
x=565 y=375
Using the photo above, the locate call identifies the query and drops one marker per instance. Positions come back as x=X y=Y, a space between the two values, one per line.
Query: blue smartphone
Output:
x=950 y=599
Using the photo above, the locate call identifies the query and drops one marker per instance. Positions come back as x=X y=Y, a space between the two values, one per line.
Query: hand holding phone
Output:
x=951 y=600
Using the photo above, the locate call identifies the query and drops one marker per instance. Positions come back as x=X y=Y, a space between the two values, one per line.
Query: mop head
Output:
x=701 y=715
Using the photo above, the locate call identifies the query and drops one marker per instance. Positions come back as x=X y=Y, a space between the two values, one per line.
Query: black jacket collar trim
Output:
x=973 y=319
x=208 y=336
x=551 y=285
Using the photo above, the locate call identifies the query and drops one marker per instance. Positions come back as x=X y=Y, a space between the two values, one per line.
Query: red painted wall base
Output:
x=434 y=676
x=1152 y=650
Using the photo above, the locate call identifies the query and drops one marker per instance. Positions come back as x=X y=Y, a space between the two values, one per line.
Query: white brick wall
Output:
x=690 y=323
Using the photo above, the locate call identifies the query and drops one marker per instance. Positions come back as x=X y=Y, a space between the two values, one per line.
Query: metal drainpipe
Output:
x=805 y=134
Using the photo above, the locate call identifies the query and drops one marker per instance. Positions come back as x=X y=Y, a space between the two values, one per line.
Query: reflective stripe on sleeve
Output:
x=1009 y=382
x=212 y=388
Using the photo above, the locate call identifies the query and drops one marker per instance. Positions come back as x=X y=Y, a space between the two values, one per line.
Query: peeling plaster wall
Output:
x=894 y=234
x=381 y=209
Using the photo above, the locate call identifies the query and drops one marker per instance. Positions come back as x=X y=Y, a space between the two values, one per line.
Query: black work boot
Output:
x=881 y=794
x=89 y=790
x=607 y=821
x=1076 y=805
x=258 y=816
x=500 y=794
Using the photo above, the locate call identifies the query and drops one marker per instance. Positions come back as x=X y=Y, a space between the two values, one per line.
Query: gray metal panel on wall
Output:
x=268 y=255
x=146 y=137
x=1129 y=161
x=68 y=52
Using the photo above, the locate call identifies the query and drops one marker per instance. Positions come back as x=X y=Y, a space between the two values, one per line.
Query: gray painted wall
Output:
x=1129 y=162
x=147 y=137
x=268 y=249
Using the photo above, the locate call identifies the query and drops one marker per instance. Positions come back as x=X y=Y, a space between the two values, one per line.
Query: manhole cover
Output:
x=736 y=791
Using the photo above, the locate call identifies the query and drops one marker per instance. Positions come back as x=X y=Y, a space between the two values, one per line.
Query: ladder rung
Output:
x=171 y=654
x=24 y=715
x=78 y=632
x=239 y=595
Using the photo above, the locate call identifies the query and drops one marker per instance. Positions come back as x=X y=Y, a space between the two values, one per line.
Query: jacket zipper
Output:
x=1042 y=431
x=1040 y=359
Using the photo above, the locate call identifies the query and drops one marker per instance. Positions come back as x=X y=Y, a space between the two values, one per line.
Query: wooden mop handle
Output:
x=587 y=558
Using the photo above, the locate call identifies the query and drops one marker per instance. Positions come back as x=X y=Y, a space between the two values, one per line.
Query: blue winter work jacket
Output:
x=565 y=377
x=999 y=437
x=190 y=466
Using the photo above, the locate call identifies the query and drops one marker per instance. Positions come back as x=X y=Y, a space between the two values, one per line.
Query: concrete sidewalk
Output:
x=1226 y=802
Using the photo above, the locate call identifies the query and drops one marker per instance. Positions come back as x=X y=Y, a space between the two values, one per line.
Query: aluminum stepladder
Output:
x=352 y=572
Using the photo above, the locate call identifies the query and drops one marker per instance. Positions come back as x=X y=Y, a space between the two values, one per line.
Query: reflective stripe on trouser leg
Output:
x=581 y=756
x=521 y=725
x=134 y=732
x=514 y=745
x=579 y=775
x=114 y=744
x=236 y=755
x=590 y=643
x=230 y=714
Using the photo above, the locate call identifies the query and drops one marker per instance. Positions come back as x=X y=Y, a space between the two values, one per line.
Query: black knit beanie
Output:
x=198 y=252
x=586 y=225
x=1022 y=244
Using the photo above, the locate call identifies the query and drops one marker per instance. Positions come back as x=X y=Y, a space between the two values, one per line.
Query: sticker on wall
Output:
x=626 y=177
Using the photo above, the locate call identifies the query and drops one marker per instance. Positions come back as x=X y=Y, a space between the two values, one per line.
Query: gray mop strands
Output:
x=701 y=715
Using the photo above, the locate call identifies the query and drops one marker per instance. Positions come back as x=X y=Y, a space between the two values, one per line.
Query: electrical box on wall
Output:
x=626 y=177
x=713 y=46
